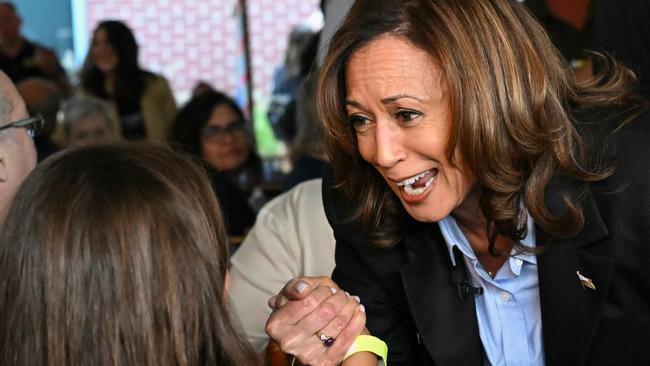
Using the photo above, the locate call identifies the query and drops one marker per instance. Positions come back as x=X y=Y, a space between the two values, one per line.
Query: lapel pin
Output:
x=586 y=281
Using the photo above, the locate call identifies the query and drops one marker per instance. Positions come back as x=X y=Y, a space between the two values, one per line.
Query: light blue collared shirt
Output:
x=509 y=316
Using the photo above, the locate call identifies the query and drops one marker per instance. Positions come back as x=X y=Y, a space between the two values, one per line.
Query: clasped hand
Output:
x=308 y=308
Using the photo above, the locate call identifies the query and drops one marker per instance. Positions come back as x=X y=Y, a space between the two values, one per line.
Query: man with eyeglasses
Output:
x=17 y=151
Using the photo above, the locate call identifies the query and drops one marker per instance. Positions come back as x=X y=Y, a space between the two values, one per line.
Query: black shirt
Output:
x=23 y=66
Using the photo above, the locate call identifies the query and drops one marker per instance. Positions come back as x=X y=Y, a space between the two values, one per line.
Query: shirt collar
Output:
x=455 y=237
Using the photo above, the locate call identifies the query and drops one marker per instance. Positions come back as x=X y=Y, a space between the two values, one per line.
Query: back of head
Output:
x=116 y=255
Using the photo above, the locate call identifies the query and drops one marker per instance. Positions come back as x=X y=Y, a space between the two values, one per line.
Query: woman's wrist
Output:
x=364 y=358
x=366 y=350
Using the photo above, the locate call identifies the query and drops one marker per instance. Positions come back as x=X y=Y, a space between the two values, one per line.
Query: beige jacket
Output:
x=158 y=108
x=291 y=237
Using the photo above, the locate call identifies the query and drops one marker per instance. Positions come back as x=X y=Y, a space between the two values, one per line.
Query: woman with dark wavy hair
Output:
x=116 y=255
x=212 y=127
x=143 y=101
x=487 y=208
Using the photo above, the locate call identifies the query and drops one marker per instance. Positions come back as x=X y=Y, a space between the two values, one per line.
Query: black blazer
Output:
x=413 y=305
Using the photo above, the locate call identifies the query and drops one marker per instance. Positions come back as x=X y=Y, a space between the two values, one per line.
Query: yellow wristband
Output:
x=367 y=343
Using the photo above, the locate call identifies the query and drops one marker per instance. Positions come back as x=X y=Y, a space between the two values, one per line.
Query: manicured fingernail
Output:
x=347 y=293
x=271 y=302
x=301 y=286
x=357 y=298
x=362 y=308
x=333 y=290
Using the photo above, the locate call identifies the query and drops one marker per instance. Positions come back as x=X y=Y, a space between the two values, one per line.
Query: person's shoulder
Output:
x=340 y=212
x=157 y=89
x=621 y=141
x=42 y=48
x=153 y=79
x=307 y=189
x=638 y=126
x=617 y=131
x=631 y=139
x=305 y=194
x=31 y=47
x=338 y=206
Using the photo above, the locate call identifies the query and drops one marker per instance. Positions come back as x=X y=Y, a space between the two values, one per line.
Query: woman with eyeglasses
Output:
x=212 y=127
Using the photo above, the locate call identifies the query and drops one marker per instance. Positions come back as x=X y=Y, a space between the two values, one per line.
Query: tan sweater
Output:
x=291 y=237
x=158 y=108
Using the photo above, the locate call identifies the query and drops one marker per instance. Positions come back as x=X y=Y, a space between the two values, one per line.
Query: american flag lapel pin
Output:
x=586 y=281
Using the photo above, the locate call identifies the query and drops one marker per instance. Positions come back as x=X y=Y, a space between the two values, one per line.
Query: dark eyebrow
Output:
x=387 y=100
x=352 y=103
x=394 y=98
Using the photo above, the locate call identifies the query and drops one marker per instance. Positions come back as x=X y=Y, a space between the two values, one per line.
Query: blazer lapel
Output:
x=571 y=311
x=448 y=326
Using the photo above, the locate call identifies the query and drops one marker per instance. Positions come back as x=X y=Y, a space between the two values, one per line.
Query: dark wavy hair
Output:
x=116 y=255
x=130 y=80
x=514 y=105
x=189 y=122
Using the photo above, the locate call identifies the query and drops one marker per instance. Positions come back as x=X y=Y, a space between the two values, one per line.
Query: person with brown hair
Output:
x=488 y=209
x=116 y=255
x=143 y=101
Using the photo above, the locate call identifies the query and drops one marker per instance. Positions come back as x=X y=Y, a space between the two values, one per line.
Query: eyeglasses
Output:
x=217 y=133
x=32 y=124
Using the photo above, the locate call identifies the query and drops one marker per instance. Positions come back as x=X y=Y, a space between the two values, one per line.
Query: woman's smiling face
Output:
x=103 y=53
x=398 y=104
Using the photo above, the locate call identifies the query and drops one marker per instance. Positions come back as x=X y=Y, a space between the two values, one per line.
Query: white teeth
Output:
x=416 y=191
x=409 y=181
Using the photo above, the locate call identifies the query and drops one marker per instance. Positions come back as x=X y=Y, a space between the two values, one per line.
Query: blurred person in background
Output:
x=300 y=56
x=86 y=121
x=308 y=146
x=130 y=241
x=212 y=127
x=201 y=87
x=623 y=29
x=21 y=58
x=570 y=25
x=143 y=101
x=42 y=97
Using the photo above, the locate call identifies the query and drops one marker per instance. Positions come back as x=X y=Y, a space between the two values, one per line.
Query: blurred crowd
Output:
x=117 y=98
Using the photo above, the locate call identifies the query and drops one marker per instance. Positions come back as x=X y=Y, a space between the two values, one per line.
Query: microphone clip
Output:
x=459 y=278
x=464 y=289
